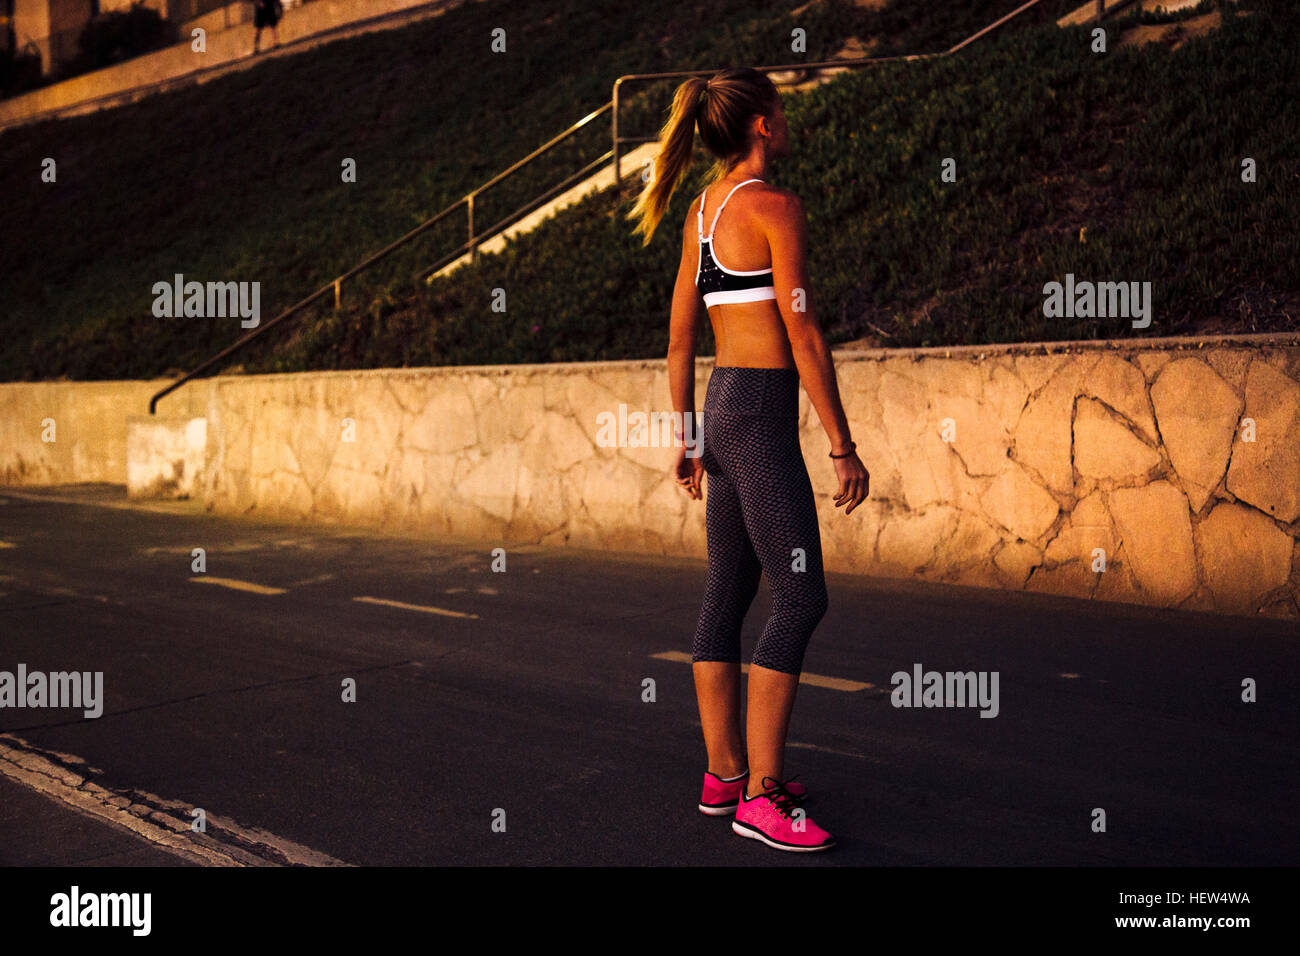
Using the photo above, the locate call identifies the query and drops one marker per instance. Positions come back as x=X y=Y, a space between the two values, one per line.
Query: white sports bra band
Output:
x=716 y=275
x=739 y=295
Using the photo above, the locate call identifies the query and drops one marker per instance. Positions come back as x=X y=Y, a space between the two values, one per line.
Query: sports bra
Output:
x=715 y=281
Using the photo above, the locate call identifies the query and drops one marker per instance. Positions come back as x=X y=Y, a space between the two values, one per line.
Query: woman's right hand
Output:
x=855 y=482
x=689 y=472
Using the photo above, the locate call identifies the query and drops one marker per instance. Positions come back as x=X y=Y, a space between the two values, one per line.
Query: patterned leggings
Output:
x=759 y=511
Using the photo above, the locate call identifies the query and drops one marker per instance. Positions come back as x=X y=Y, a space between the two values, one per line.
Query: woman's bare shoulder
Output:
x=778 y=206
x=691 y=220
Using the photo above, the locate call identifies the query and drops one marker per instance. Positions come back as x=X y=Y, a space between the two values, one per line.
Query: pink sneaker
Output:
x=776 y=818
x=720 y=797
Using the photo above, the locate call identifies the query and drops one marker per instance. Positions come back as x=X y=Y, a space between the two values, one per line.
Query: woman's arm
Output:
x=684 y=330
x=788 y=241
x=683 y=337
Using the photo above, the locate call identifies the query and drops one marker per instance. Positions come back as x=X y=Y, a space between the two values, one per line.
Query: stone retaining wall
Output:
x=1167 y=474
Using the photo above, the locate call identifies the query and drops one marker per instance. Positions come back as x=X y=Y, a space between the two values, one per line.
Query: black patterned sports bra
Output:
x=715 y=281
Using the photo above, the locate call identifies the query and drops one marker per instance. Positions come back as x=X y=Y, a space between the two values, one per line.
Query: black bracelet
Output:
x=852 y=446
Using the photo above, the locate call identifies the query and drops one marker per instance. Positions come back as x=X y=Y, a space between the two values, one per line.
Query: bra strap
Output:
x=722 y=207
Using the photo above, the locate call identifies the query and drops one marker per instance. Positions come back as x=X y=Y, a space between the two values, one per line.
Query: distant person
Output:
x=760 y=515
x=266 y=13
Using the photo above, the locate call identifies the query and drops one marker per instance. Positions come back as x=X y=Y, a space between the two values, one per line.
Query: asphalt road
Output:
x=231 y=700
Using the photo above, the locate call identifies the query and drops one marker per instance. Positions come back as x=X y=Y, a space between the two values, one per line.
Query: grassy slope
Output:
x=217 y=182
x=1142 y=149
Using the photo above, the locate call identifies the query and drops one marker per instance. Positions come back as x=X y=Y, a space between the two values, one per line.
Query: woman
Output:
x=760 y=514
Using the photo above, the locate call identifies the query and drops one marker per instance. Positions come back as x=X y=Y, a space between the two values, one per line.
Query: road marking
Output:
x=415 y=607
x=165 y=823
x=316 y=580
x=831 y=750
x=814 y=680
x=239 y=585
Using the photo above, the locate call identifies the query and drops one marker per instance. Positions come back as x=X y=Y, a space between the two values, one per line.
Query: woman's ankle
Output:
x=756 y=784
x=725 y=771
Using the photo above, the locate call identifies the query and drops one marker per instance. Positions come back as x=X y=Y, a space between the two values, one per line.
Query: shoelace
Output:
x=784 y=801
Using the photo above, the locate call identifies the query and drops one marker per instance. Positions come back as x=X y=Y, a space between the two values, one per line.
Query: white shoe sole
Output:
x=745 y=831
x=717 y=811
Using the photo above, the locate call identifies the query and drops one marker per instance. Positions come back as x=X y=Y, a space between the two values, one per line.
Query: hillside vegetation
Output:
x=239 y=179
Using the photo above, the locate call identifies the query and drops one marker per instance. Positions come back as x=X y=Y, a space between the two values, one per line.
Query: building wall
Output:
x=7 y=43
x=178 y=10
x=229 y=41
x=53 y=26
x=31 y=23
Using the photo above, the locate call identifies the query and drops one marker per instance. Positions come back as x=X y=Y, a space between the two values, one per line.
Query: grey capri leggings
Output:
x=759 y=510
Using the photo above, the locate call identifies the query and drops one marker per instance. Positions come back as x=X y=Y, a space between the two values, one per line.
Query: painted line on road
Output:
x=164 y=823
x=316 y=580
x=415 y=607
x=814 y=680
x=239 y=585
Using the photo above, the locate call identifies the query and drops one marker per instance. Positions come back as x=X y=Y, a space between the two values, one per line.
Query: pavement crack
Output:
x=288 y=681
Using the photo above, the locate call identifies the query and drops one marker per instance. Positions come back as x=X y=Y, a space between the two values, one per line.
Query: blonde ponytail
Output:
x=722 y=108
x=677 y=141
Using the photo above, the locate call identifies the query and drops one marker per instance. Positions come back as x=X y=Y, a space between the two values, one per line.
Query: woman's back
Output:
x=741 y=214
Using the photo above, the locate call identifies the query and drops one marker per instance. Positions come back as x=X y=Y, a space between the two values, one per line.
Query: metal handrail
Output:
x=509 y=170
x=472 y=243
x=786 y=68
x=501 y=225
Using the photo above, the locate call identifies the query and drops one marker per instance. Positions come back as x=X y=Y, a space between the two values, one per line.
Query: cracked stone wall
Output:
x=1167 y=476
x=1137 y=458
x=1121 y=474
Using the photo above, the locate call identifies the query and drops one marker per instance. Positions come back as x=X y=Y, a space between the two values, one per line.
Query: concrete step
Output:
x=633 y=160
x=1088 y=12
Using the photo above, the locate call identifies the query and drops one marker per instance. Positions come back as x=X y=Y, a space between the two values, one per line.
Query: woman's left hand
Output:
x=689 y=472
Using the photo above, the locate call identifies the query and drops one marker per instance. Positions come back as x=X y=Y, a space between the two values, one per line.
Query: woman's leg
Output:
x=771 y=698
x=733 y=576
x=781 y=520
x=717 y=689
